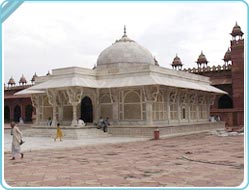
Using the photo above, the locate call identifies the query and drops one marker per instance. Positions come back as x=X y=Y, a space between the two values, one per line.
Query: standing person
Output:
x=21 y=120
x=106 y=123
x=16 y=140
x=59 y=133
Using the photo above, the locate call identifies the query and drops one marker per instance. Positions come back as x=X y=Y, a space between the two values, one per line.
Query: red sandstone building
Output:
x=228 y=77
x=17 y=106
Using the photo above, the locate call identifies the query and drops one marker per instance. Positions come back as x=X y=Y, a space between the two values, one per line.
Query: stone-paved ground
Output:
x=136 y=164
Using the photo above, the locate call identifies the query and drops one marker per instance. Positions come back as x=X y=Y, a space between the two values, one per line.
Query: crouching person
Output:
x=81 y=123
x=106 y=123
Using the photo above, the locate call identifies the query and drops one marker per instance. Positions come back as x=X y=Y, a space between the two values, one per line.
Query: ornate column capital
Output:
x=201 y=99
x=151 y=93
x=52 y=94
x=193 y=98
x=113 y=94
x=74 y=95
x=35 y=99
x=173 y=95
x=183 y=96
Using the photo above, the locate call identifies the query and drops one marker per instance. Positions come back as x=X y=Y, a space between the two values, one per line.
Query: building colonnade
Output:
x=142 y=105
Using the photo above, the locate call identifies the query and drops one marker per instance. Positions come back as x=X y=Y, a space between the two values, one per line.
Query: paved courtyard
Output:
x=197 y=160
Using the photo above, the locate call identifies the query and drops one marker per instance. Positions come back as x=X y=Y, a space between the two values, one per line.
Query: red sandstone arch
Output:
x=6 y=114
x=17 y=113
x=225 y=102
x=28 y=113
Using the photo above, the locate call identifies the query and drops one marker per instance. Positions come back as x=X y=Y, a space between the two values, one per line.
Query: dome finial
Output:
x=124 y=31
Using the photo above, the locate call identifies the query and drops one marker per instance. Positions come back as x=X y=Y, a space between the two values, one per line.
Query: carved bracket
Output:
x=52 y=94
x=113 y=94
x=74 y=95
x=173 y=95
x=151 y=93
x=183 y=97
x=201 y=99
x=193 y=98
x=35 y=99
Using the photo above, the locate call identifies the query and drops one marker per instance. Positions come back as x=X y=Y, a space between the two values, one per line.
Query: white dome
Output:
x=125 y=50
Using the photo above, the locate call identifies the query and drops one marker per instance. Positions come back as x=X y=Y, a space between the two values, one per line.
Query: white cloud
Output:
x=41 y=36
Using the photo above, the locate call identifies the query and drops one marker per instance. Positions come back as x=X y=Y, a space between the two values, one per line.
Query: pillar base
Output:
x=74 y=123
x=54 y=123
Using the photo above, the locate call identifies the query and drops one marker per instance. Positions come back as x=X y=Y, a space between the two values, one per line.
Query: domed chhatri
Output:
x=22 y=80
x=33 y=78
x=11 y=81
x=227 y=56
x=177 y=63
x=125 y=51
x=202 y=60
x=236 y=31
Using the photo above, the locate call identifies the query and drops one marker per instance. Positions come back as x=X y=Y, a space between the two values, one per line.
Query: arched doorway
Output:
x=6 y=114
x=28 y=113
x=86 y=110
x=17 y=113
x=225 y=102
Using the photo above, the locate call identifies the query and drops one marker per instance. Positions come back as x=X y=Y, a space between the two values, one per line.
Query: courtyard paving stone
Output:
x=148 y=163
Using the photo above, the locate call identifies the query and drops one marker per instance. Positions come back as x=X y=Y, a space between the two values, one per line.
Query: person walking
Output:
x=59 y=133
x=16 y=141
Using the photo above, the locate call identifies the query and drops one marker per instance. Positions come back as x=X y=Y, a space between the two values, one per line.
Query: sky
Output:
x=41 y=36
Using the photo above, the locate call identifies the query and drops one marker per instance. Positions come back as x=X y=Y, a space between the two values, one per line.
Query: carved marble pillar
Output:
x=149 y=112
x=193 y=102
x=35 y=98
x=51 y=93
x=150 y=96
x=74 y=121
x=168 y=106
x=74 y=95
x=173 y=100
x=211 y=99
x=60 y=102
x=97 y=109
x=114 y=100
x=188 y=107
x=183 y=103
x=200 y=100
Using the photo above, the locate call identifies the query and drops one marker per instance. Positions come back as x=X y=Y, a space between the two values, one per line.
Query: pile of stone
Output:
x=225 y=133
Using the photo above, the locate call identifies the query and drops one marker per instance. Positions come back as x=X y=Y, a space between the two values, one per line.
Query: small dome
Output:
x=236 y=31
x=22 y=80
x=202 y=59
x=227 y=56
x=33 y=78
x=177 y=61
x=11 y=81
x=125 y=50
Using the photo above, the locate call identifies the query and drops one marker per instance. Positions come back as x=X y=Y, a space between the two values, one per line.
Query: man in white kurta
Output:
x=17 y=137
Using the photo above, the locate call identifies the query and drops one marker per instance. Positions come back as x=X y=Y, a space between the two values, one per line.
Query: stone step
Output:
x=67 y=133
